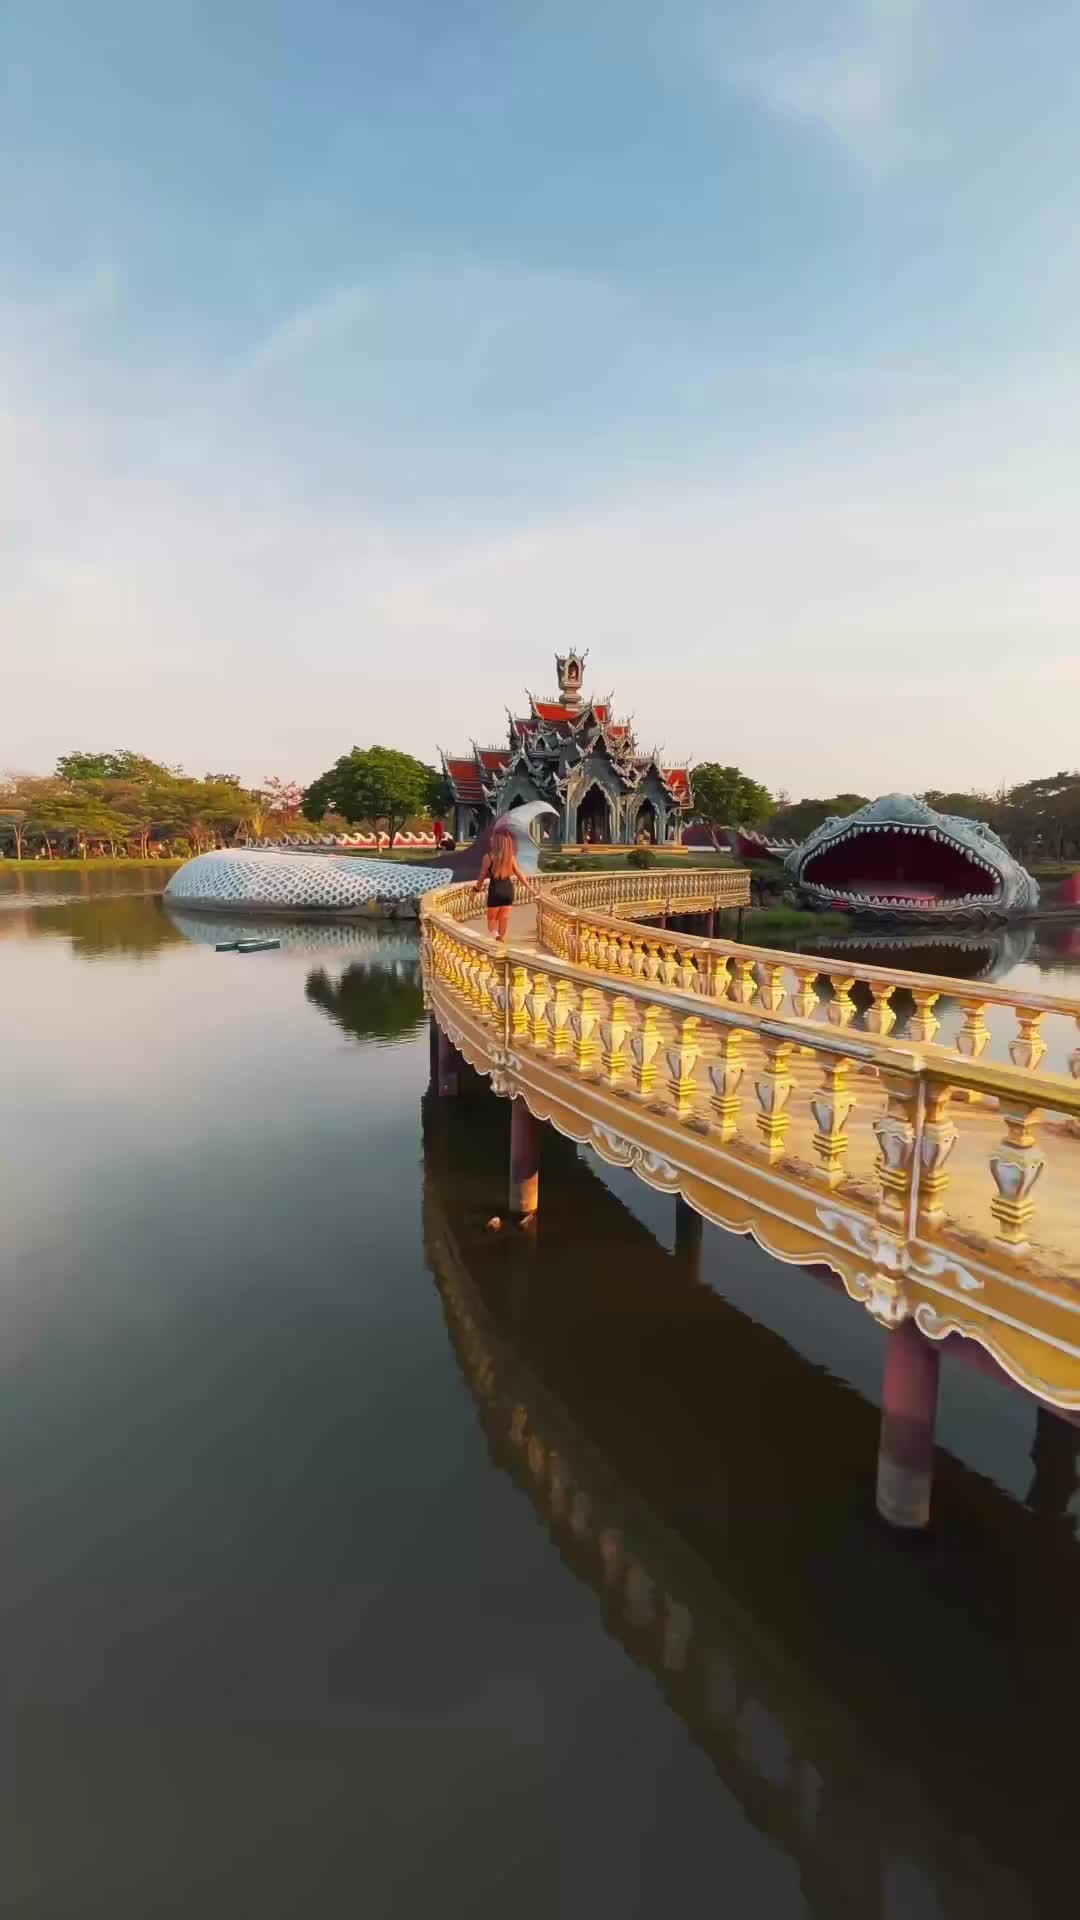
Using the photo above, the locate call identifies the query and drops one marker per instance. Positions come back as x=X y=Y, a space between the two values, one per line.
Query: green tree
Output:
x=727 y=797
x=375 y=784
x=1042 y=817
x=794 y=822
x=120 y=764
x=31 y=808
x=969 y=806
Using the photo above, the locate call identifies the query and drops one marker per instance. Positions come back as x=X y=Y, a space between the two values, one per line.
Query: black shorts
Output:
x=500 y=893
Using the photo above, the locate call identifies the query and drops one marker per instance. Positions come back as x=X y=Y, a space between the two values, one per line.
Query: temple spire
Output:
x=570 y=668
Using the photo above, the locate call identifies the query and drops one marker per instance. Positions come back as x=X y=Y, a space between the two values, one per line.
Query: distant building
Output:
x=571 y=753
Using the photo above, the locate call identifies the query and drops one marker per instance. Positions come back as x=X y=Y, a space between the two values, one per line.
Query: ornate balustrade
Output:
x=836 y=993
x=936 y=1183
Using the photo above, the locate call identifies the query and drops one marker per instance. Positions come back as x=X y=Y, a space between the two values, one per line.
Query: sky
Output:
x=355 y=358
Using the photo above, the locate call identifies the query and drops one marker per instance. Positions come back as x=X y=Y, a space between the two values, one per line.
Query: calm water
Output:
x=362 y=1561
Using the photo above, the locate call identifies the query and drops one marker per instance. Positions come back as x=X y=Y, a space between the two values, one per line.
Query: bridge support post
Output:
x=1054 y=1459
x=710 y=924
x=739 y=918
x=449 y=1068
x=909 y=1398
x=689 y=1229
x=524 y=1159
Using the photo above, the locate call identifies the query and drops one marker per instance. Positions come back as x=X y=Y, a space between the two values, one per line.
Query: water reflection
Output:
x=96 y=925
x=45 y=884
x=710 y=1487
x=371 y=938
x=987 y=954
x=376 y=999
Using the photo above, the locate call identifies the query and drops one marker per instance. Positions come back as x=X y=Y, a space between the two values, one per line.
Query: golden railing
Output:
x=936 y=1182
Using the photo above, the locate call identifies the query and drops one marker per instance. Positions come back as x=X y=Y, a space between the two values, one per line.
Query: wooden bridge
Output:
x=918 y=1135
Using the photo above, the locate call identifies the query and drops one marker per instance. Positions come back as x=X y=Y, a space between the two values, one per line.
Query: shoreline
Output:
x=92 y=862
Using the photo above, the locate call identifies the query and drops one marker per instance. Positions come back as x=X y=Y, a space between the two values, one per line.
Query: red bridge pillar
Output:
x=524 y=1159
x=909 y=1398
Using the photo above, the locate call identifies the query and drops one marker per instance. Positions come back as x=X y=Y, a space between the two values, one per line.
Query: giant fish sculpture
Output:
x=900 y=859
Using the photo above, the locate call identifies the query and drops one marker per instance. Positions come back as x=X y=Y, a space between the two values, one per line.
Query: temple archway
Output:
x=647 y=824
x=594 y=816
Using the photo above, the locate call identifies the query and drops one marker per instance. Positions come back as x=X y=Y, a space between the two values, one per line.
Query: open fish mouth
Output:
x=893 y=868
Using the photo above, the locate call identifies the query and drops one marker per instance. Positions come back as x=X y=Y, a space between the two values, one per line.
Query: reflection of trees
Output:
x=134 y=926
x=371 y=1002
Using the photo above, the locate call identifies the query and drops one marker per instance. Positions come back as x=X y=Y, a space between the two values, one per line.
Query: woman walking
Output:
x=500 y=870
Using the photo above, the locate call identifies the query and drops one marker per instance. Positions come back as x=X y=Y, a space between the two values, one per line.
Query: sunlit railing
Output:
x=936 y=1181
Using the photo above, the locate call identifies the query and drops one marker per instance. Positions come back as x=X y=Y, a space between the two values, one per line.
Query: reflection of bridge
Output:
x=629 y=1404
x=891 y=1125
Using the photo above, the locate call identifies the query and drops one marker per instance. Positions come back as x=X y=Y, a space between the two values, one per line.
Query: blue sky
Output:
x=356 y=357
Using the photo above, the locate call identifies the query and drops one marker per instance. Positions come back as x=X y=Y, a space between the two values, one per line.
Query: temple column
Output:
x=524 y=1159
x=909 y=1398
x=449 y=1068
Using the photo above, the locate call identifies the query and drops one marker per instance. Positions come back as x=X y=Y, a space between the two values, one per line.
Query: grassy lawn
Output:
x=616 y=862
x=793 y=920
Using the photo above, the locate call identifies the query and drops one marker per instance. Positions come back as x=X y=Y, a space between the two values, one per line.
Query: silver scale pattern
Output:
x=313 y=883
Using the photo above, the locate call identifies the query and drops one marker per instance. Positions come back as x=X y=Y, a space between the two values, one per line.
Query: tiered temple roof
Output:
x=553 y=751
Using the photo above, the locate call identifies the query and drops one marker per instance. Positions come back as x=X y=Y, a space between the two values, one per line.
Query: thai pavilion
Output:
x=571 y=753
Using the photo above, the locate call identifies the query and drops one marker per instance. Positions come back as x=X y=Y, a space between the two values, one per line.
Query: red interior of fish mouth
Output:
x=905 y=866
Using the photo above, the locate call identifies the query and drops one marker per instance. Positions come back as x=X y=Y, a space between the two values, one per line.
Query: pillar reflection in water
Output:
x=711 y=1489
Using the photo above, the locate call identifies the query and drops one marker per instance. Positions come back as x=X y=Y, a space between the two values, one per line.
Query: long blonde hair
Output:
x=501 y=855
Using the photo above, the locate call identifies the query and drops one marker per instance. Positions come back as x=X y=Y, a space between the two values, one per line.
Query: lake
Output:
x=361 y=1560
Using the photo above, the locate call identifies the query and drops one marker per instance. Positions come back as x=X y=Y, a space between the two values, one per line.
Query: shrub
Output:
x=641 y=857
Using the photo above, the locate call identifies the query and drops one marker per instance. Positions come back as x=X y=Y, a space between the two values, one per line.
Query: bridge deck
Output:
x=1057 y=1249
x=885 y=1141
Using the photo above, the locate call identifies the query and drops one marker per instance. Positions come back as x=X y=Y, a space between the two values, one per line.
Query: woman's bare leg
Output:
x=504 y=922
x=493 y=921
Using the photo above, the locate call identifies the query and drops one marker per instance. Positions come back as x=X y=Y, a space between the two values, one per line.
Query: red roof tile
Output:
x=465 y=776
x=678 y=780
x=494 y=759
x=549 y=711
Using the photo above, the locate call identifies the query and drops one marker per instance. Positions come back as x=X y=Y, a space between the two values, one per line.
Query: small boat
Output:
x=226 y=946
x=256 y=946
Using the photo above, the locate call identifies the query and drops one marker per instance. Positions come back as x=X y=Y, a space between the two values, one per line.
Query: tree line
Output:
x=121 y=802
x=124 y=803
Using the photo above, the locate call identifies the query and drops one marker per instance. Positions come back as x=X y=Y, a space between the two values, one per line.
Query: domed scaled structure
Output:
x=257 y=880
x=324 y=883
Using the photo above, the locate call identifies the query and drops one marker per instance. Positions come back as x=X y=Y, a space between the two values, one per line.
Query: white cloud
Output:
x=890 y=606
x=76 y=299
x=325 y=322
x=850 y=71
x=458 y=314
